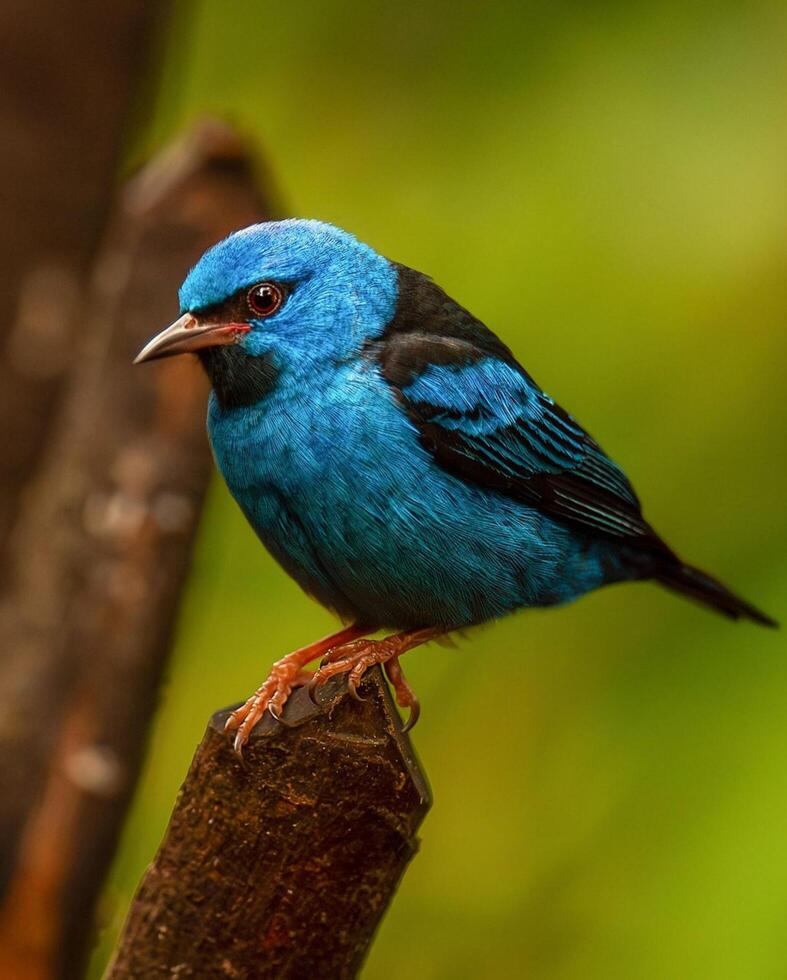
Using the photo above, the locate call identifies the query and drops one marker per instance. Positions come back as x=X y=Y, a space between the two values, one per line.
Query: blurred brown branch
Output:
x=68 y=81
x=101 y=548
x=282 y=865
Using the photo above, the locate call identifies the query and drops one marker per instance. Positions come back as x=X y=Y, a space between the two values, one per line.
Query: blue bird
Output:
x=395 y=458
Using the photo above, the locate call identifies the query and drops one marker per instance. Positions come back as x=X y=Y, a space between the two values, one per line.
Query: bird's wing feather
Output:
x=484 y=419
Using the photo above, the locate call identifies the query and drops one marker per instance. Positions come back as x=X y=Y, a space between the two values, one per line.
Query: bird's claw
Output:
x=311 y=689
x=405 y=695
x=412 y=718
x=337 y=661
x=352 y=687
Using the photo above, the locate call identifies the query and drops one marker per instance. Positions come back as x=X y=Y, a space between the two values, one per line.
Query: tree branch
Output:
x=68 y=81
x=282 y=865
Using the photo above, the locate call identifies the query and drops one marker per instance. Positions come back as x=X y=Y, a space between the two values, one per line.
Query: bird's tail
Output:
x=704 y=588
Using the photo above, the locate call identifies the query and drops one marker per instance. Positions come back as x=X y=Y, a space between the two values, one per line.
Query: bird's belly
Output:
x=360 y=515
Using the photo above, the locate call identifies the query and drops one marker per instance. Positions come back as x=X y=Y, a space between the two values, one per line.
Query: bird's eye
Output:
x=265 y=298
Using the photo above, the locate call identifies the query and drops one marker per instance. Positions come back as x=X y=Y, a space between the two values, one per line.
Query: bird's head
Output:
x=274 y=298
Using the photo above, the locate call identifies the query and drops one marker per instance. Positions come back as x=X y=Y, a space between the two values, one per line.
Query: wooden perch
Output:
x=282 y=865
x=102 y=549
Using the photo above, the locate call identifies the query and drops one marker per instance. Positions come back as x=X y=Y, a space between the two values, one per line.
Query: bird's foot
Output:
x=356 y=657
x=286 y=674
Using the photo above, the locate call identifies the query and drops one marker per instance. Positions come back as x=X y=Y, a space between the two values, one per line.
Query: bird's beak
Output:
x=186 y=335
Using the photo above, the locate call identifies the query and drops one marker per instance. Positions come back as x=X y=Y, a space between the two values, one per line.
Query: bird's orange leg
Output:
x=356 y=656
x=286 y=674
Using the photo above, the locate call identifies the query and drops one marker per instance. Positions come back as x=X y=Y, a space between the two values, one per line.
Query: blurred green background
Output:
x=606 y=185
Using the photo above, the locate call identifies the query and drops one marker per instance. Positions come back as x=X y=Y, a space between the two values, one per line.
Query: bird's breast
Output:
x=319 y=470
x=308 y=436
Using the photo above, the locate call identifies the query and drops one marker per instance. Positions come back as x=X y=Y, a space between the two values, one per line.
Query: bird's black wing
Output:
x=484 y=419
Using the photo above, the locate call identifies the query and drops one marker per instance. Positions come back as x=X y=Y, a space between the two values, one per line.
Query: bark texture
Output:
x=283 y=864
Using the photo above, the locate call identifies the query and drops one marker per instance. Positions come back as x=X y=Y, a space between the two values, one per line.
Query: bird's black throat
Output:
x=238 y=378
